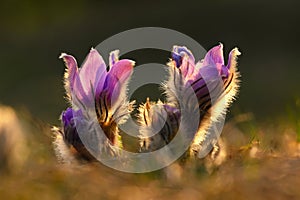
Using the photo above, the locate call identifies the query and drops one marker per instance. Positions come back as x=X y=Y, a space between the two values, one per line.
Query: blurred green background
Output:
x=34 y=33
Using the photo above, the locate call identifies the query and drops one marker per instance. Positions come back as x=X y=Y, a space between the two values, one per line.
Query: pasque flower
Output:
x=94 y=88
x=214 y=83
x=98 y=97
x=157 y=117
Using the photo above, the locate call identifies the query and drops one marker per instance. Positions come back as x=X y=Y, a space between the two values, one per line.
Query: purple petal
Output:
x=214 y=56
x=92 y=71
x=182 y=51
x=68 y=116
x=78 y=93
x=224 y=72
x=116 y=78
x=122 y=69
x=73 y=84
x=187 y=67
x=185 y=51
x=71 y=135
x=104 y=94
x=99 y=86
x=184 y=59
x=179 y=52
x=209 y=72
x=177 y=58
x=202 y=78
x=72 y=70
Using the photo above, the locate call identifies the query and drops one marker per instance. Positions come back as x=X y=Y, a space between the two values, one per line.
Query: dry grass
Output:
x=262 y=161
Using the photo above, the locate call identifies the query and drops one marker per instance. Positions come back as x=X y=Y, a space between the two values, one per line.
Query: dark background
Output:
x=34 y=33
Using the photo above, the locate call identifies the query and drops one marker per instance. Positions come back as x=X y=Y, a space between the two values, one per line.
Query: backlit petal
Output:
x=214 y=56
x=116 y=79
x=71 y=71
x=92 y=70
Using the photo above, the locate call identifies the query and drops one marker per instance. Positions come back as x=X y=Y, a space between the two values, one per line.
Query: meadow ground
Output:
x=262 y=161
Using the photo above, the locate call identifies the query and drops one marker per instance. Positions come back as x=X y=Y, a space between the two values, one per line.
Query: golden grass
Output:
x=262 y=161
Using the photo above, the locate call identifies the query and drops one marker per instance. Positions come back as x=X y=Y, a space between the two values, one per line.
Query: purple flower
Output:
x=214 y=83
x=211 y=81
x=94 y=88
x=160 y=118
x=92 y=78
x=202 y=75
x=184 y=59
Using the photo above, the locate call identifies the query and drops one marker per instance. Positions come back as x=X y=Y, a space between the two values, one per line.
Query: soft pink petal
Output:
x=117 y=77
x=187 y=67
x=214 y=56
x=122 y=69
x=184 y=60
x=92 y=70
